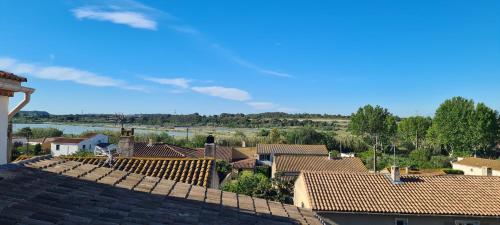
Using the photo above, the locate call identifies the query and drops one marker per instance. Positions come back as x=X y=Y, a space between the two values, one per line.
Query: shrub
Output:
x=452 y=171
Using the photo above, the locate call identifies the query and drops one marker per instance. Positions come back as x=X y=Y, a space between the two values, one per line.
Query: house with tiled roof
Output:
x=244 y=164
x=289 y=166
x=67 y=146
x=478 y=166
x=266 y=152
x=367 y=198
x=61 y=191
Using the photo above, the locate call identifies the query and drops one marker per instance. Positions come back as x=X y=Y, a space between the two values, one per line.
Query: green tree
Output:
x=414 y=130
x=275 y=136
x=46 y=132
x=375 y=123
x=462 y=128
x=484 y=127
x=27 y=133
x=248 y=183
x=38 y=149
x=304 y=135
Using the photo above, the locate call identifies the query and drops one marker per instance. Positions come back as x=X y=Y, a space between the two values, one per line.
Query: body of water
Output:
x=78 y=129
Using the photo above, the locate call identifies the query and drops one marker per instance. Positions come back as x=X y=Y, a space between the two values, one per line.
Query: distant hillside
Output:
x=260 y=120
x=33 y=114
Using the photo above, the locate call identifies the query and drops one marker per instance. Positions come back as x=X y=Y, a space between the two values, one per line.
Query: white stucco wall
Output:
x=300 y=198
x=69 y=148
x=4 y=123
x=473 y=171
x=64 y=149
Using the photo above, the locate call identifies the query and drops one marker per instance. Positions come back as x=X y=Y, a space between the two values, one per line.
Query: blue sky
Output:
x=252 y=56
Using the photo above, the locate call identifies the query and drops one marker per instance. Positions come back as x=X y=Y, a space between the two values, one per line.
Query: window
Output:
x=401 y=221
x=58 y=147
x=265 y=157
x=83 y=146
x=466 y=222
x=90 y=146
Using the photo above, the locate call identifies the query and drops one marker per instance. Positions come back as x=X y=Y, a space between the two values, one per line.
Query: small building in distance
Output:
x=267 y=152
x=67 y=146
x=478 y=166
x=289 y=166
x=364 y=198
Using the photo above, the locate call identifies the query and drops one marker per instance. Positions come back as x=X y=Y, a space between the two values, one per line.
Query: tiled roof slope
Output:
x=375 y=193
x=296 y=163
x=54 y=191
x=292 y=149
x=11 y=76
x=164 y=150
x=191 y=171
x=221 y=152
x=244 y=164
x=478 y=162
x=64 y=140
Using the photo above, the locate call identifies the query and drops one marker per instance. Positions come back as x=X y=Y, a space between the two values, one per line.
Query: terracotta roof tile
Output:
x=164 y=150
x=292 y=149
x=191 y=171
x=11 y=76
x=376 y=193
x=39 y=193
x=221 y=152
x=244 y=164
x=296 y=163
x=479 y=162
x=63 y=140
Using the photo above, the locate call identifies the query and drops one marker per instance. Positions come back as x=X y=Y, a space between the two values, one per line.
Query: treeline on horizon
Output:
x=237 y=120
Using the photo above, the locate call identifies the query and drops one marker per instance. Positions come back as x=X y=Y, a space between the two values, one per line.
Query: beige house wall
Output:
x=244 y=153
x=380 y=219
x=300 y=198
x=472 y=170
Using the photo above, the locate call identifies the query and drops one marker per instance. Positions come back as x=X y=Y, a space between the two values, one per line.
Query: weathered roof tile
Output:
x=376 y=193
x=292 y=149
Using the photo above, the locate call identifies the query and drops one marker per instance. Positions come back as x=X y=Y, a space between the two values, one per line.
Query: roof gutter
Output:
x=17 y=88
x=405 y=214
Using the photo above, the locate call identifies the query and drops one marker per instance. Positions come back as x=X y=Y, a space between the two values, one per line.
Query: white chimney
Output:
x=243 y=144
x=395 y=175
x=10 y=84
x=486 y=171
x=330 y=155
x=150 y=142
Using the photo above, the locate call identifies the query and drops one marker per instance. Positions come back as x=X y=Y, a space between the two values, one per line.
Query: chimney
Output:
x=210 y=147
x=243 y=144
x=150 y=142
x=126 y=143
x=330 y=155
x=395 y=176
x=486 y=171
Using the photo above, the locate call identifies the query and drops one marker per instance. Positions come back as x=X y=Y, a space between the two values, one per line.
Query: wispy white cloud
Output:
x=262 y=105
x=224 y=92
x=129 y=18
x=184 y=29
x=245 y=63
x=61 y=73
x=177 y=82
